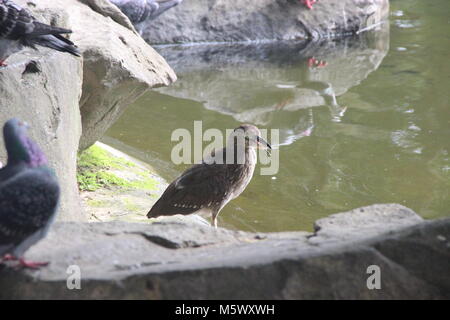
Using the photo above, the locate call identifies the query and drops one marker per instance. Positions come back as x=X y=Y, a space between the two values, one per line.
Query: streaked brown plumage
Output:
x=207 y=187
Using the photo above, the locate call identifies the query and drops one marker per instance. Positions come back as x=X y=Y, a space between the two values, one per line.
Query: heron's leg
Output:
x=214 y=219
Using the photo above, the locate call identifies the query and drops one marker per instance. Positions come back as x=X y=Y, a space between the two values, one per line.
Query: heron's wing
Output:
x=199 y=187
x=27 y=203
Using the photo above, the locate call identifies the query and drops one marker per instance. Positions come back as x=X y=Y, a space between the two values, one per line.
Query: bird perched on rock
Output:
x=19 y=29
x=140 y=11
x=29 y=194
x=221 y=177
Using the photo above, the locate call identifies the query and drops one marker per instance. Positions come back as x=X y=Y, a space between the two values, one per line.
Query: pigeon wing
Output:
x=17 y=22
x=28 y=203
x=134 y=10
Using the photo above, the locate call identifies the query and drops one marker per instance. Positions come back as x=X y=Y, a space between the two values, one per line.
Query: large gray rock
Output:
x=237 y=20
x=167 y=260
x=119 y=66
x=43 y=88
x=48 y=88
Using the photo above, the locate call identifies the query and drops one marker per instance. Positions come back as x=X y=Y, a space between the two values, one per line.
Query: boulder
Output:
x=255 y=20
x=65 y=98
x=43 y=88
x=188 y=260
x=119 y=65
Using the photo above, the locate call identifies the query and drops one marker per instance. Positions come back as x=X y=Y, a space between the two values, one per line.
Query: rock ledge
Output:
x=167 y=260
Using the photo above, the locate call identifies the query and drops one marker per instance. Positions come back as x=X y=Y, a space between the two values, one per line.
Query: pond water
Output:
x=370 y=124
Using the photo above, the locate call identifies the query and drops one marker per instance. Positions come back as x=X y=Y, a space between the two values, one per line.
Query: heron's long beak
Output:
x=263 y=144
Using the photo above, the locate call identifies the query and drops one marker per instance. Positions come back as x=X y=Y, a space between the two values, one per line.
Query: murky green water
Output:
x=371 y=126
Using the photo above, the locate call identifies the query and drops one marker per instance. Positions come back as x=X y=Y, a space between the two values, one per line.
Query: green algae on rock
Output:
x=115 y=186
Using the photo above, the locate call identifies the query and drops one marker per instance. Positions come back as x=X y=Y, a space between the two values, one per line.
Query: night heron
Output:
x=221 y=177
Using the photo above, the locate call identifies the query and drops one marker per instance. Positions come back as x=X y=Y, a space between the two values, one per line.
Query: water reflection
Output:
x=358 y=126
x=270 y=82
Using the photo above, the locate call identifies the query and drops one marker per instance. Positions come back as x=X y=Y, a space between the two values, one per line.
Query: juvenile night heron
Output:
x=207 y=187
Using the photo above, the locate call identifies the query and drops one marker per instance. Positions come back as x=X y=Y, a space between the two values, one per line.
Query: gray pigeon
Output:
x=29 y=195
x=19 y=29
x=141 y=11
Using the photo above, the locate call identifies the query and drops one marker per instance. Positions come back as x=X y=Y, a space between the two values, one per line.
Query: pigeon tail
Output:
x=56 y=42
x=43 y=29
x=163 y=6
x=19 y=28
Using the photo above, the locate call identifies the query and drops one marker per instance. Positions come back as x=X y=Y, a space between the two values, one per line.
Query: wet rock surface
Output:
x=188 y=260
x=235 y=20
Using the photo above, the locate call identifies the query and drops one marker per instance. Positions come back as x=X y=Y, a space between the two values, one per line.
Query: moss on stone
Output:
x=97 y=167
x=131 y=206
x=95 y=203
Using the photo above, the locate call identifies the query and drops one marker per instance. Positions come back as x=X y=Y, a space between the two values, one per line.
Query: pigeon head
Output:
x=20 y=147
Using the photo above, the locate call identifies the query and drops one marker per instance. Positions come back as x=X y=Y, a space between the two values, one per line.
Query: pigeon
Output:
x=29 y=195
x=19 y=29
x=140 y=11
x=221 y=177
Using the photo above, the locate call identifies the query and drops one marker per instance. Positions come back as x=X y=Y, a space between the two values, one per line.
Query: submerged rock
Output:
x=256 y=20
x=167 y=260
